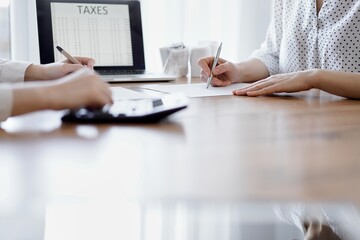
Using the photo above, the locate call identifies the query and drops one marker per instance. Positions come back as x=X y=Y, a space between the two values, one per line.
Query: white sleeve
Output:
x=12 y=71
x=343 y=220
x=269 y=51
x=6 y=102
x=293 y=214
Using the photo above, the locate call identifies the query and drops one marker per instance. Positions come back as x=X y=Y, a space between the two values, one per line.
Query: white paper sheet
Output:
x=197 y=89
x=120 y=93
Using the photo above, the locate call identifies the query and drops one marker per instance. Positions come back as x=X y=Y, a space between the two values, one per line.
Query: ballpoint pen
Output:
x=216 y=59
x=67 y=55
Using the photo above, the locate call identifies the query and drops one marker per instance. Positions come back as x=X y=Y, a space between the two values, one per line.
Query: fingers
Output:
x=69 y=68
x=220 y=83
x=223 y=67
x=292 y=82
x=101 y=94
x=204 y=64
x=216 y=82
x=253 y=87
x=84 y=61
x=89 y=62
x=99 y=101
x=261 y=87
x=276 y=88
x=264 y=87
x=107 y=94
x=90 y=89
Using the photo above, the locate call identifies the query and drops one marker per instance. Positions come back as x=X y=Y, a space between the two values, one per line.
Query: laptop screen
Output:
x=110 y=31
x=98 y=30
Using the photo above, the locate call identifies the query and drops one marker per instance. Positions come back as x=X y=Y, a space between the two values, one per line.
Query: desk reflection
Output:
x=84 y=219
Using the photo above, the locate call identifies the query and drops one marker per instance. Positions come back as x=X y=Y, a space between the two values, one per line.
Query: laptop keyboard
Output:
x=119 y=72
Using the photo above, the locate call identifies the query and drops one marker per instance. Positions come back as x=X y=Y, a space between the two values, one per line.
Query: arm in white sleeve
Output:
x=6 y=102
x=270 y=49
x=12 y=71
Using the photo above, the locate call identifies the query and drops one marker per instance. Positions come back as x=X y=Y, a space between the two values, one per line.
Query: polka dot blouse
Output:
x=299 y=38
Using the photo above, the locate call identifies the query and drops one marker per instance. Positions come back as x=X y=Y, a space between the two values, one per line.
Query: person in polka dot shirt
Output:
x=309 y=44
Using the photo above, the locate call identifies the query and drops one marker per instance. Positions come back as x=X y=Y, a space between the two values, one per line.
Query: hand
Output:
x=224 y=74
x=82 y=88
x=56 y=70
x=291 y=82
x=85 y=61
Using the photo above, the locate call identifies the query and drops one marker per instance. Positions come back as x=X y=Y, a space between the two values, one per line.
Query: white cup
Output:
x=175 y=61
x=212 y=44
x=198 y=52
x=164 y=53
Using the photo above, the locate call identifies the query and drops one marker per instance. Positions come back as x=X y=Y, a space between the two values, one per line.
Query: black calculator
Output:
x=130 y=111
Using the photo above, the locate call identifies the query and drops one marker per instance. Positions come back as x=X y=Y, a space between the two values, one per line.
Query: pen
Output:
x=68 y=56
x=216 y=59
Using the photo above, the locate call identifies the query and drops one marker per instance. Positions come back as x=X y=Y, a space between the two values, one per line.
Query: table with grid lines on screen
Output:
x=98 y=30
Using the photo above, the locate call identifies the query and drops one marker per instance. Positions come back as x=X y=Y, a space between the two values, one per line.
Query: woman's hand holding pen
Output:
x=84 y=61
x=56 y=70
x=255 y=71
x=225 y=73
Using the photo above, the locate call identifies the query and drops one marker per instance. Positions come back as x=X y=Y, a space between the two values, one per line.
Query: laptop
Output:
x=110 y=31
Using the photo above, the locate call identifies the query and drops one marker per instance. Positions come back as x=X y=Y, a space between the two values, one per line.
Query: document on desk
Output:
x=197 y=89
x=120 y=93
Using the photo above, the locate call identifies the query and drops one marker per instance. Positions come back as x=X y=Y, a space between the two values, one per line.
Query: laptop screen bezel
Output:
x=45 y=33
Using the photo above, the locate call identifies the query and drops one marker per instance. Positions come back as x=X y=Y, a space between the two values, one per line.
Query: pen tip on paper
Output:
x=59 y=48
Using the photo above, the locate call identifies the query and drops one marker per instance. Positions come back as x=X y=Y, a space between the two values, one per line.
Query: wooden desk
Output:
x=303 y=146
x=299 y=147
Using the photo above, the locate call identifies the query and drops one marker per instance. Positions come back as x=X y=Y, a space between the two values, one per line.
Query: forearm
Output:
x=38 y=72
x=29 y=99
x=252 y=70
x=343 y=84
x=34 y=73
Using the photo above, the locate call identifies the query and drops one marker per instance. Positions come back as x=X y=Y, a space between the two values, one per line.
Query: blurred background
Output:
x=240 y=24
x=4 y=29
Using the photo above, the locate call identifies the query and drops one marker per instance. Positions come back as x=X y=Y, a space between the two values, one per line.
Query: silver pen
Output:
x=216 y=59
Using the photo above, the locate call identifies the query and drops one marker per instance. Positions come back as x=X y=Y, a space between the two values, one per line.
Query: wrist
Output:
x=252 y=70
x=51 y=97
x=29 y=99
x=242 y=72
x=315 y=77
x=34 y=72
